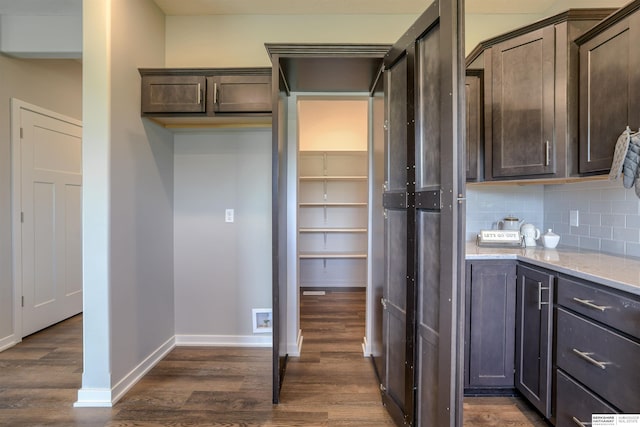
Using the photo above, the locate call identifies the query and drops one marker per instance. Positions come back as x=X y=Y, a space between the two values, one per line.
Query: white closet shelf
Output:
x=333 y=178
x=334 y=255
x=316 y=204
x=332 y=230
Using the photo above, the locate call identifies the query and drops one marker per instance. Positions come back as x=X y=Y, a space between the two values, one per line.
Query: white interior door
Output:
x=51 y=239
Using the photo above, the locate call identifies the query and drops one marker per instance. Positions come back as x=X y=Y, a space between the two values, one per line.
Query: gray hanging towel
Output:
x=631 y=161
x=619 y=154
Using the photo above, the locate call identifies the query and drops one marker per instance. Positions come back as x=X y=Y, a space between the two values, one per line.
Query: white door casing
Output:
x=47 y=195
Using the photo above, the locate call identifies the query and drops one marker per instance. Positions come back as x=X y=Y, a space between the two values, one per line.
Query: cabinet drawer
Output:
x=574 y=403
x=605 y=362
x=613 y=309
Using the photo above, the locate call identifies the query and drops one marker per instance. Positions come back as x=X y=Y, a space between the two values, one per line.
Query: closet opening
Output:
x=332 y=220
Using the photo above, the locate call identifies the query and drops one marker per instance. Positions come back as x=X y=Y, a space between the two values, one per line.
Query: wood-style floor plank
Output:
x=331 y=384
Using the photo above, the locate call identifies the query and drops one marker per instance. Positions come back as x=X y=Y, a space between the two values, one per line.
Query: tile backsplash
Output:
x=608 y=214
x=488 y=204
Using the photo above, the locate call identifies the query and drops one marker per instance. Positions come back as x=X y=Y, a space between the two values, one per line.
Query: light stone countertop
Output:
x=617 y=272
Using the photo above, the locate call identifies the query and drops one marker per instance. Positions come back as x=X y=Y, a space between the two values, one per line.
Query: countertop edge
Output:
x=557 y=266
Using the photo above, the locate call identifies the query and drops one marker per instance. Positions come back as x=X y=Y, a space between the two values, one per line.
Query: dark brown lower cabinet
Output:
x=534 y=327
x=597 y=351
x=490 y=325
x=576 y=404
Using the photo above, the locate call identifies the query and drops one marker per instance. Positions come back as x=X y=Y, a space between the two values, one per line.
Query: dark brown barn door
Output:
x=279 y=228
x=424 y=213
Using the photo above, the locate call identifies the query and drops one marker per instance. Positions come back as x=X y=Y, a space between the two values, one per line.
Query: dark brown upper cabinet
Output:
x=173 y=94
x=239 y=94
x=609 y=86
x=200 y=96
x=523 y=80
x=474 y=125
x=530 y=97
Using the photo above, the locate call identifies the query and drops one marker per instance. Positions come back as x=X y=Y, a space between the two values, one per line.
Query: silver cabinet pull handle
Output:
x=540 y=289
x=547 y=156
x=215 y=93
x=199 y=94
x=590 y=304
x=580 y=423
x=587 y=356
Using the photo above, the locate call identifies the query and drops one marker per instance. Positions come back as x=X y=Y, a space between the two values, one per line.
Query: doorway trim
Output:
x=16 y=208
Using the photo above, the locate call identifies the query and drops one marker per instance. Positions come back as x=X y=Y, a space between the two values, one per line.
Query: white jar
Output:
x=550 y=239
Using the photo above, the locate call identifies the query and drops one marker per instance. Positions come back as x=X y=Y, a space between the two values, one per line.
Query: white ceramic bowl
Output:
x=550 y=240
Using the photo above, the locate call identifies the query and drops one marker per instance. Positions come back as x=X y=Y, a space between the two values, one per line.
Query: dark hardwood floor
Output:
x=331 y=384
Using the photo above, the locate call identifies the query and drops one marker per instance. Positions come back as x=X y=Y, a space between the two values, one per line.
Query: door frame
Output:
x=289 y=60
x=16 y=206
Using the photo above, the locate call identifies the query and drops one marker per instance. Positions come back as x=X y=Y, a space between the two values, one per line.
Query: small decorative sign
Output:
x=262 y=320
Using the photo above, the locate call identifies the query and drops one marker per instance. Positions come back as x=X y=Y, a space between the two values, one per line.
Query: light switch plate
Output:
x=228 y=215
x=574 y=218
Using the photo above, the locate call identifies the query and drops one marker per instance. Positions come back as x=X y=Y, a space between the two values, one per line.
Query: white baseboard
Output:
x=8 y=342
x=100 y=398
x=93 y=398
x=294 y=349
x=88 y=398
x=224 y=340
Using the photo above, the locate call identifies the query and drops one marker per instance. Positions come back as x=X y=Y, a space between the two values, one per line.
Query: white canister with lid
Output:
x=550 y=239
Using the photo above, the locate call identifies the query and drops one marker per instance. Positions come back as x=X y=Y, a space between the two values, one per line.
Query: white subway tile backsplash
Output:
x=632 y=221
x=626 y=234
x=590 y=243
x=488 y=204
x=609 y=214
x=613 y=220
x=612 y=246
x=633 y=249
x=629 y=207
x=600 y=232
x=600 y=206
x=592 y=219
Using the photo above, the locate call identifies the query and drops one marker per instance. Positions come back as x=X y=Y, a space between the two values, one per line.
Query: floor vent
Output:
x=313 y=293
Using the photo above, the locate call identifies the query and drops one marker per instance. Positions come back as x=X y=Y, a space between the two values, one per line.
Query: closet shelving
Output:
x=332 y=218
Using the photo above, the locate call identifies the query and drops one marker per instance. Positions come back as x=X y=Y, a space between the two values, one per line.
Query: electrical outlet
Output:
x=228 y=215
x=574 y=218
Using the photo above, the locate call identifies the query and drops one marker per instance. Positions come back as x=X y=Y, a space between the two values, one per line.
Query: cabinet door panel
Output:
x=604 y=96
x=173 y=94
x=490 y=336
x=523 y=104
x=239 y=94
x=533 y=336
x=475 y=130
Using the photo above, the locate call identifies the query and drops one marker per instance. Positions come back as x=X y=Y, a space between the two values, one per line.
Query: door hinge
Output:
x=384 y=303
x=22 y=217
x=21 y=133
x=22 y=301
x=383 y=388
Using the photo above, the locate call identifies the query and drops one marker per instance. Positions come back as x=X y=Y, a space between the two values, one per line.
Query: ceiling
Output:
x=277 y=7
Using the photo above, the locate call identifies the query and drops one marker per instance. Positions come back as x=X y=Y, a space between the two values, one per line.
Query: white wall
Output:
x=52 y=84
x=222 y=269
x=238 y=40
x=128 y=208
